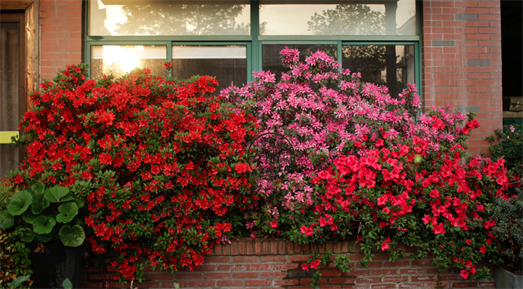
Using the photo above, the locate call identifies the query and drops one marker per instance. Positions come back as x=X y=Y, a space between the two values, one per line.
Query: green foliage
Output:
x=508 y=215
x=48 y=207
x=14 y=255
x=509 y=146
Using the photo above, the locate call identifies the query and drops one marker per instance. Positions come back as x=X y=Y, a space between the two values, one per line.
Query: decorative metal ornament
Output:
x=273 y=155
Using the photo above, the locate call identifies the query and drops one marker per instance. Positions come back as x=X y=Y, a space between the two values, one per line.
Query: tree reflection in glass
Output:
x=174 y=18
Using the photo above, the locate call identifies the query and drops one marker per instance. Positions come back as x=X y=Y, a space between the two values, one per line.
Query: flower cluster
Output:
x=158 y=162
x=371 y=164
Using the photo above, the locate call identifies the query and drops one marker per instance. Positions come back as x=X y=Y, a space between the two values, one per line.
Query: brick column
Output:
x=61 y=35
x=461 y=54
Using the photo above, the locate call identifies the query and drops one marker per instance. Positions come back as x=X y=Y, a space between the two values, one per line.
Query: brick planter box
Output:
x=277 y=264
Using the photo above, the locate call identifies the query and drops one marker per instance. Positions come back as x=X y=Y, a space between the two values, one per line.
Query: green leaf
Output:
x=56 y=193
x=67 y=284
x=39 y=204
x=44 y=238
x=6 y=220
x=72 y=236
x=29 y=217
x=43 y=225
x=19 y=203
x=67 y=212
x=67 y=198
x=79 y=203
x=28 y=235
x=38 y=189
x=18 y=281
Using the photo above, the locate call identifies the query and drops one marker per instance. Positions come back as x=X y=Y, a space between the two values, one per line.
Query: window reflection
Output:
x=271 y=55
x=389 y=65
x=226 y=63
x=121 y=59
x=379 y=18
x=120 y=17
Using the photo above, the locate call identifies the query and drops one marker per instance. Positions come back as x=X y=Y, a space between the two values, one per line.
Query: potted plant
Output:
x=48 y=219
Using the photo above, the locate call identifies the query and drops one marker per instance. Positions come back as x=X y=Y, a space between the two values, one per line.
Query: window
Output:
x=12 y=88
x=232 y=39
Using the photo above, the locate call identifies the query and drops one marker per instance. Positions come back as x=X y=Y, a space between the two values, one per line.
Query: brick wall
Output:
x=461 y=61
x=60 y=35
x=273 y=264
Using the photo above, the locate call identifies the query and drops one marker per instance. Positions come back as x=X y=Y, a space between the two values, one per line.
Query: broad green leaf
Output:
x=28 y=236
x=18 y=281
x=43 y=225
x=39 y=203
x=6 y=220
x=67 y=198
x=29 y=217
x=67 y=212
x=44 y=238
x=38 y=189
x=67 y=284
x=72 y=236
x=79 y=203
x=56 y=193
x=19 y=203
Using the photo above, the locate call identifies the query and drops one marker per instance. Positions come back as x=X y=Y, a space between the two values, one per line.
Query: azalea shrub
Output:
x=158 y=162
x=508 y=144
x=371 y=165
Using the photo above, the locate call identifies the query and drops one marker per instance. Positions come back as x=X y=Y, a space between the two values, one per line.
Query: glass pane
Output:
x=387 y=18
x=9 y=159
x=124 y=17
x=390 y=65
x=9 y=74
x=271 y=55
x=121 y=59
x=227 y=63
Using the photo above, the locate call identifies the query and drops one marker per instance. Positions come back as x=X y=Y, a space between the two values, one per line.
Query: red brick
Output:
x=341 y=280
x=464 y=285
x=201 y=283
x=259 y=283
x=286 y=282
x=216 y=275
x=383 y=271
x=228 y=283
x=487 y=284
x=274 y=258
x=299 y=258
x=188 y=276
x=322 y=281
x=287 y=266
x=273 y=274
x=423 y=278
x=147 y=284
x=205 y=267
x=243 y=259
x=358 y=272
x=331 y=273
x=437 y=285
x=217 y=259
x=383 y=286
x=160 y=276
x=242 y=275
x=411 y=271
x=395 y=278
x=410 y=286
x=449 y=277
x=170 y=284
x=360 y=280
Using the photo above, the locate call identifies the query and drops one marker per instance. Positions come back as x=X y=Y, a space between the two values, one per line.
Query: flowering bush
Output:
x=158 y=163
x=507 y=213
x=370 y=164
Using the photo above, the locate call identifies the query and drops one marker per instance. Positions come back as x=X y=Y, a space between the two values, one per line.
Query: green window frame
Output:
x=254 y=41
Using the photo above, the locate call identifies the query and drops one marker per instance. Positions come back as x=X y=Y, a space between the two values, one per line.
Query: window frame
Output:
x=19 y=18
x=254 y=41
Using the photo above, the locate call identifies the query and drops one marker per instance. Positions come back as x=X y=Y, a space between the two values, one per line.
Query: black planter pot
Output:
x=56 y=263
x=506 y=279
